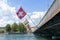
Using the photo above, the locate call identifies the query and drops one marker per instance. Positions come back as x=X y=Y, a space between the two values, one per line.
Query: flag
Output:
x=25 y=22
x=21 y=13
x=29 y=28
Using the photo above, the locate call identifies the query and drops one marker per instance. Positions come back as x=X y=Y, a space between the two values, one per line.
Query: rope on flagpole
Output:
x=31 y=19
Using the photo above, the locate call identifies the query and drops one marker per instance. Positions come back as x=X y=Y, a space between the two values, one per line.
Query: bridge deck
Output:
x=50 y=24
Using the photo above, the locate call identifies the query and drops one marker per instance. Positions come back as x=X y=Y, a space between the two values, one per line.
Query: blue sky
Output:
x=31 y=5
x=34 y=8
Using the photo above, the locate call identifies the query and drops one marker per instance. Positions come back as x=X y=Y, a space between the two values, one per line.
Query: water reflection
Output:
x=42 y=38
x=21 y=37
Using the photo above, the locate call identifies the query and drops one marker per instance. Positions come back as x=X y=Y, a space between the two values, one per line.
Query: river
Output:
x=29 y=36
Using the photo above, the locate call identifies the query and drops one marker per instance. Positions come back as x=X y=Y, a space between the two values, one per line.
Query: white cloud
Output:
x=7 y=13
x=3 y=21
x=36 y=16
x=5 y=8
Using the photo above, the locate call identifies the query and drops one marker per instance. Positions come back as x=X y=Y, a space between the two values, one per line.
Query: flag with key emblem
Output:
x=21 y=13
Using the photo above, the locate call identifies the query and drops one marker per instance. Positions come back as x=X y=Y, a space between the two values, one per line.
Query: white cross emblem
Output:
x=20 y=14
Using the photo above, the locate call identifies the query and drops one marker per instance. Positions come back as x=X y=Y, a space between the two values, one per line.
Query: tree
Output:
x=24 y=29
x=14 y=27
x=8 y=28
x=21 y=27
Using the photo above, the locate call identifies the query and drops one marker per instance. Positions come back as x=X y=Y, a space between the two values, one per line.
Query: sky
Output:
x=36 y=9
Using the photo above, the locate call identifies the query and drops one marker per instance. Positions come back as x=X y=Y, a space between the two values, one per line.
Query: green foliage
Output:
x=8 y=28
x=14 y=27
x=1 y=31
x=21 y=27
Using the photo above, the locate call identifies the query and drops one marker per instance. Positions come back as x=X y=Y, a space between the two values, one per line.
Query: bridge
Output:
x=50 y=23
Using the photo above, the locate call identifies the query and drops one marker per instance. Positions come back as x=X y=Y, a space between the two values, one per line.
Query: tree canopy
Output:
x=14 y=27
x=8 y=28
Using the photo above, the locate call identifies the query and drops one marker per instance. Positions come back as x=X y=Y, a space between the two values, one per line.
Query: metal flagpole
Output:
x=31 y=19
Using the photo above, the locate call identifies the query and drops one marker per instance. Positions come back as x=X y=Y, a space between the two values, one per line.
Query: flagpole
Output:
x=21 y=10
x=31 y=19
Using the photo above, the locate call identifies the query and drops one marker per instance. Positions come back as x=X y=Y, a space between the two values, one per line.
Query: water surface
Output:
x=21 y=37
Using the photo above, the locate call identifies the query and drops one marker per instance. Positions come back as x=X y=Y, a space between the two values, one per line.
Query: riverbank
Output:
x=17 y=32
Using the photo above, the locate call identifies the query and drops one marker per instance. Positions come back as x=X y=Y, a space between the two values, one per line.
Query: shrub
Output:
x=1 y=31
